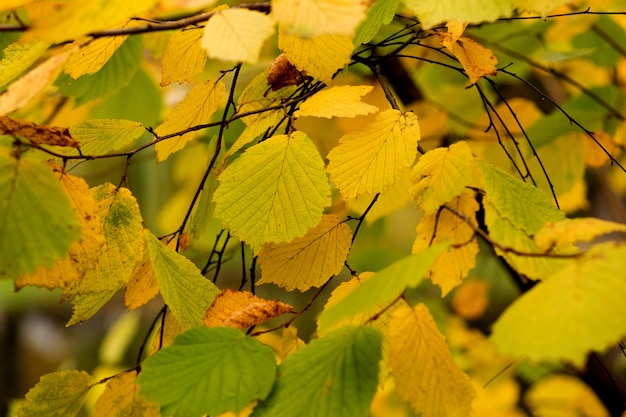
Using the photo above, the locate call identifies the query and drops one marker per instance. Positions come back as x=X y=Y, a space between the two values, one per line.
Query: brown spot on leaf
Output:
x=37 y=134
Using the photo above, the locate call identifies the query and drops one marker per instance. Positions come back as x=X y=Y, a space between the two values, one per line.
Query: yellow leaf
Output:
x=570 y=231
x=142 y=285
x=74 y=18
x=13 y=4
x=82 y=255
x=538 y=6
x=422 y=367
x=21 y=91
x=340 y=101
x=430 y=13
x=284 y=344
x=308 y=261
x=309 y=18
x=320 y=56
x=57 y=394
x=121 y=398
x=91 y=57
x=183 y=57
x=165 y=332
x=471 y=299
x=19 y=56
x=241 y=309
x=453 y=265
x=477 y=60
x=393 y=199
x=274 y=192
x=237 y=35
x=103 y=136
x=442 y=174
x=595 y=156
x=372 y=159
x=564 y=396
x=196 y=108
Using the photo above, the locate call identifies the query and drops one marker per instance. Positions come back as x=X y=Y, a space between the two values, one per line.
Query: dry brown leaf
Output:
x=283 y=73
x=37 y=134
x=241 y=309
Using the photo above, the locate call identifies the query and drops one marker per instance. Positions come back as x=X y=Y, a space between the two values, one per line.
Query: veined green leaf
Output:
x=103 y=136
x=380 y=13
x=60 y=394
x=208 y=371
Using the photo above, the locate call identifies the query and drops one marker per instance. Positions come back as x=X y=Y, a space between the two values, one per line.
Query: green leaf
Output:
x=579 y=309
x=58 y=394
x=208 y=371
x=336 y=375
x=383 y=288
x=18 y=57
x=274 y=192
x=182 y=286
x=37 y=223
x=103 y=136
x=115 y=74
x=380 y=13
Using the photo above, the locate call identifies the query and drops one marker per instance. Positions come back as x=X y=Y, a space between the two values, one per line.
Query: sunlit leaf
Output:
x=274 y=192
x=18 y=57
x=471 y=299
x=308 y=261
x=431 y=13
x=183 y=57
x=196 y=108
x=579 y=309
x=542 y=7
x=121 y=398
x=13 y=4
x=240 y=309
x=320 y=56
x=103 y=136
x=91 y=57
x=187 y=293
x=369 y=160
x=334 y=375
x=477 y=60
x=142 y=286
x=339 y=101
x=383 y=288
x=569 y=231
x=42 y=235
x=380 y=13
x=422 y=367
x=309 y=18
x=60 y=394
x=237 y=35
x=208 y=371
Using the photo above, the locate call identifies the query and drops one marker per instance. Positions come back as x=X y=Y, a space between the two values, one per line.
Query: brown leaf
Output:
x=283 y=73
x=241 y=309
x=37 y=134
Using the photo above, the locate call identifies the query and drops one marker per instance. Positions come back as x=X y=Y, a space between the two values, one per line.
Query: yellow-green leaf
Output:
x=187 y=293
x=17 y=57
x=121 y=398
x=320 y=56
x=442 y=174
x=183 y=57
x=542 y=7
x=422 y=367
x=308 y=18
x=60 y=394
x=561 y=395
x=196 y=108
x=90 y=58
x=237 y=35
x=308 y=261
x=579 y=309
x=340 y=101
x=373 y=158
x=431 y=13
x=274 y=192
x=103 y=136
x=378 y=14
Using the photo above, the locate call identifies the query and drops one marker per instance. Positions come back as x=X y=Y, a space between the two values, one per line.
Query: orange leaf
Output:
x=241 y=309
x=142 y=285
x=477 y=60
x=471 y=299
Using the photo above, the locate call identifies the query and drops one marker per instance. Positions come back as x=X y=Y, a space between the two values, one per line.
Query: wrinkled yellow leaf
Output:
x=442 y=174
x=339 y=101
x=564 y=396
x=570 y=231
x=183 y=57
x=422 y=367
x=320 y=56
x=237 y=35
x=19 y=56
x=308 y=261
x=274 y=192
x=477 y=60
x=372 y=159
x=471 y=299
x=308 y=18
x=91 y=57
x=142 y=286
x=453 y=265
x=241 y=309
x=196 y=108
x=121 y=398
x=56 y=395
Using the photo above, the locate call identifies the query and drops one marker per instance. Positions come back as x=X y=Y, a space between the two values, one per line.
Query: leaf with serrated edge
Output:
x=187 y=293
x=308 y=261
x=121 y=398
x=383 y=288
x=183 y=57
x=320 y=56
x=274 y=192
x=208 y=371
x=237 y=35
x=196 y=108
x=373 y=158
x=91 y=57
x=339 y=101
x=60 y=394
x=579 y=309
x=103 y=136
x=423 y=368
x=331 y=376
x=308 y=18
x=440 y=175
x=241 y=309
x=454 y=264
